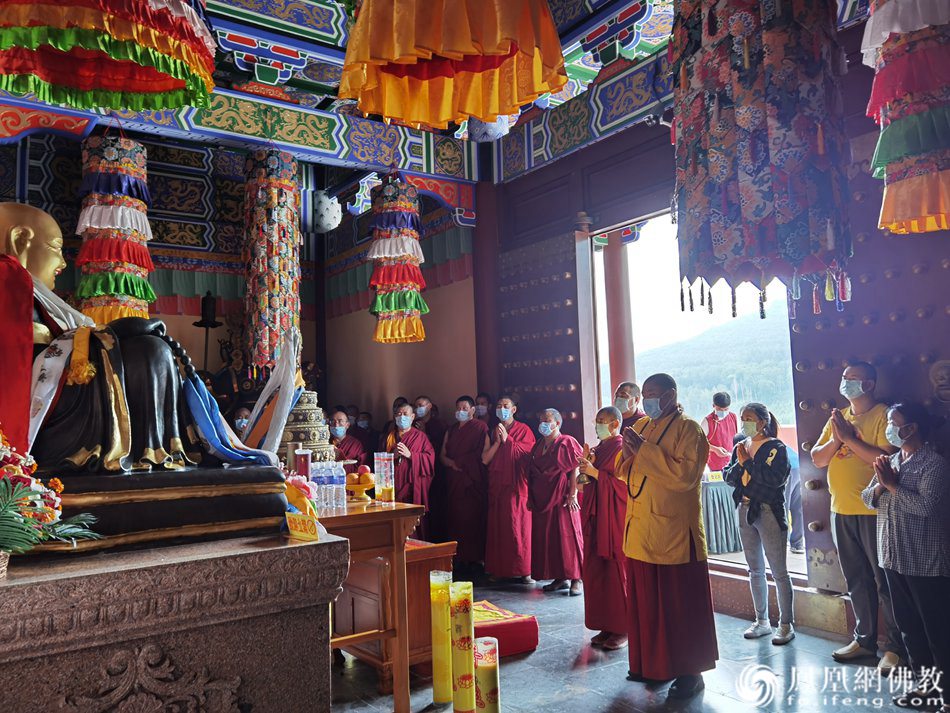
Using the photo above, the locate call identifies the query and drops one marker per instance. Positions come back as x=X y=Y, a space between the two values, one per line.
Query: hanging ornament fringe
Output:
x=908 y=44
x=113 y=222
x=397 y=279
x=443 y=61
x=271 y=253
x=725 y=61
x=110 y=54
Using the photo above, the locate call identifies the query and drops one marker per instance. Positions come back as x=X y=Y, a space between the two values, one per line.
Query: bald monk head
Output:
x=33 y=237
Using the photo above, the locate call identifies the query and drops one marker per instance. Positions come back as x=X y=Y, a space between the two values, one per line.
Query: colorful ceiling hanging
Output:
x=761 y=189
x=397 y=279
x=115 y=231
x=113 y=54
x=443 y=61
x=908 y=44
x=271 y=253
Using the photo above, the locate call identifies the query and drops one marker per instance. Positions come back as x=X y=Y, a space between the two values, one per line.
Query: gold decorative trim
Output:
x=80 y=500
x=165 y=533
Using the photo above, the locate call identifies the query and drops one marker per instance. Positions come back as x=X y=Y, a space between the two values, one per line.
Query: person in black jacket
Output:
x=758 y=471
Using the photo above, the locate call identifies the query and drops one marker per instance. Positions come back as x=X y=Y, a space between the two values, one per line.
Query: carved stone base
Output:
x=227 y=626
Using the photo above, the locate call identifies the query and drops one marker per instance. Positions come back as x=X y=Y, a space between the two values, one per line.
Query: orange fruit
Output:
x=367 y=479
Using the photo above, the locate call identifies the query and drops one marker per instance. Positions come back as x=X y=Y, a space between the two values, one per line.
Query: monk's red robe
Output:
x=467 y=489
x=557 y=543
x=413 y=476
x=508 y=543
x=606 y=594
x=350 y=448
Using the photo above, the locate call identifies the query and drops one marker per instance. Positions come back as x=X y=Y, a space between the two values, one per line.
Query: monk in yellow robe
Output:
x=672 y=633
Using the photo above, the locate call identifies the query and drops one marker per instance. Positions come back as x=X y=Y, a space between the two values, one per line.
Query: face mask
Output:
x=851 y=388
x=403 y=421
x=503 y=414
x=892 y=434
x=481 y=410
x=350 y=420
x=749 y=428
x=421 y=411
x=622 y=404
x=651 y=407
x=462 y=416
x=363 y=424
x=240 y=423
x=338 y=431
x=721 y=414
x=603 y=430
x=546 y=428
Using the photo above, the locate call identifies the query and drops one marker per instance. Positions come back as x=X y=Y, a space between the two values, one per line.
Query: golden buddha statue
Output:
x=121 y=409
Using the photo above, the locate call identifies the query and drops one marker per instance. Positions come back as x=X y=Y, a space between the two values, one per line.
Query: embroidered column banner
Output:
x=271 y=253
x=113 y=223
x=761 y=152
x=908 y=44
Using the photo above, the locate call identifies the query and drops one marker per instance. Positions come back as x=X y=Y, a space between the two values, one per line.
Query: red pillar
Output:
x=619 y=322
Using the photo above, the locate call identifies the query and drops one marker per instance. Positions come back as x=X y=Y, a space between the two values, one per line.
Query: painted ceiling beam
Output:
x=247 y=122
x=321 y=21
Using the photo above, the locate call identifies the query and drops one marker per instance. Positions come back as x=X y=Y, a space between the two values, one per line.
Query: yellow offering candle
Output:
x=441 y=636
x=387 y=494
x=487 y=689
x=463 y=657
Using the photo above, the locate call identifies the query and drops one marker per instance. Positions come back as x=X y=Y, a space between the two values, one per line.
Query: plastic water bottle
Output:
x=340 y=480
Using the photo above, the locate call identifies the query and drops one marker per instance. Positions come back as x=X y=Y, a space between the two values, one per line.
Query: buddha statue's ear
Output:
x=17 y=242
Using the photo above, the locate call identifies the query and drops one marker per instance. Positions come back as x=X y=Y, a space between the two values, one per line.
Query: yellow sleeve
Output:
x=878 y=437
x=682 y=470
x=825 y=434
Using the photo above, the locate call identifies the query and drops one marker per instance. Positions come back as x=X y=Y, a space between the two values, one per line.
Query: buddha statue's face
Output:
x=34 y=239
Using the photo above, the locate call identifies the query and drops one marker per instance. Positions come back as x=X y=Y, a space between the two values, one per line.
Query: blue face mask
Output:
x=240 y=423
x=338 y=431
x=651 y=407
x=462 y=416
x=403 y=422
x=421 y=411
x=851 y=388
x=503 y=414
x=546 y=428
x=721 y=414
x=363 y=424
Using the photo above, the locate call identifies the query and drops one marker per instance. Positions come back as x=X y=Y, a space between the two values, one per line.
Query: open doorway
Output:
x=746 y=357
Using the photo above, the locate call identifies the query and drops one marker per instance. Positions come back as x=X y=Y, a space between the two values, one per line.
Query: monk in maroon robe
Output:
x=428 y=421
x=414 y=464
x=347 y=447
x=557 y=543
x=627 y=399
x=507 y=454
x=467 y=482
x=363 y=430
x=602 y=512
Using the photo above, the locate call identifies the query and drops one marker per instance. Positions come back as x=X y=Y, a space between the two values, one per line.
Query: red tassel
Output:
x=816 y=300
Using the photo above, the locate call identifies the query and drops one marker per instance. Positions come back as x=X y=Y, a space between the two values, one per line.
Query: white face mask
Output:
x=893 y=434
x=481 y=410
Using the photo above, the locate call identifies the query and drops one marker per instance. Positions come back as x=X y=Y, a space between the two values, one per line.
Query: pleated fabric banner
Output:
x=908 y=44
x=116 y=54
x=114 y=258
x=397 y=279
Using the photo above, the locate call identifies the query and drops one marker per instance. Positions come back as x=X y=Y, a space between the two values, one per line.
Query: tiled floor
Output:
x=566 y=674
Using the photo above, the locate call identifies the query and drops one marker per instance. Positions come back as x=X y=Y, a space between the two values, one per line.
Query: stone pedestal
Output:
x=232 y=625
